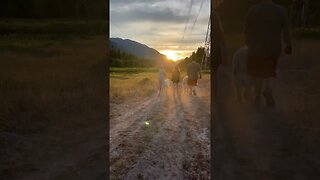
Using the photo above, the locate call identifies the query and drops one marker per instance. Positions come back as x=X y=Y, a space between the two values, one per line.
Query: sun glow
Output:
x=171 y=55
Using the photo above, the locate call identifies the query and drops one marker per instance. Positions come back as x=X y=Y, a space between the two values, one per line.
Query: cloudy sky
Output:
x=164 y=25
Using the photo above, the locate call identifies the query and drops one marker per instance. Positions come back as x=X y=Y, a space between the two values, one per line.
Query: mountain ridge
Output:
x=136 y=48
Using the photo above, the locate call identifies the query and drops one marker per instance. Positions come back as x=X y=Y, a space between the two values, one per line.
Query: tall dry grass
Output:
x=57 y=83
x=132 y=84
x=126 y=87
x=53 y=98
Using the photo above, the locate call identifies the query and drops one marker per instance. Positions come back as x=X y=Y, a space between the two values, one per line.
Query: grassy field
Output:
x=130 y=84
x=52 y=89
x=58 y=79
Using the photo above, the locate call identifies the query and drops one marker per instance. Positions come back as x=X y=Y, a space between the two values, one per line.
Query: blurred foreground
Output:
x=53 y=100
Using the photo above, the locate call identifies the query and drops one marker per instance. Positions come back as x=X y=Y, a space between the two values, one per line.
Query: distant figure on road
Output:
x=193 y=72
x=176 y=78
x=162 y=77
x=266 y=24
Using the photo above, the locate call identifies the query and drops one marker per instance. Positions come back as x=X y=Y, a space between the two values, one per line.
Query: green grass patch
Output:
x=206 y=71
x=307 y=33
x=129 y=70
x=52 y=27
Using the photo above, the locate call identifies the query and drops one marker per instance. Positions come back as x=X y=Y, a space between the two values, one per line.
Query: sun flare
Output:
x=171 y=55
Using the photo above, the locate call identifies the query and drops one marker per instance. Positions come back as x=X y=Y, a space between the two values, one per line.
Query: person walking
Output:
x=176 y=78
x=162 y=76
x=193 y=72
x=266 y=25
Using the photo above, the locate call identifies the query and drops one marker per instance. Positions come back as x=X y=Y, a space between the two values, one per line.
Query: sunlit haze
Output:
x=173 y=55
x=161 y=24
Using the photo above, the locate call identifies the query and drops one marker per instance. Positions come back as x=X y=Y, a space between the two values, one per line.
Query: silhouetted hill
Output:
x=136 y=49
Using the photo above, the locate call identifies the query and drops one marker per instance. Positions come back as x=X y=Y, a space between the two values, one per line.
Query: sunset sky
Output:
x=161 y=24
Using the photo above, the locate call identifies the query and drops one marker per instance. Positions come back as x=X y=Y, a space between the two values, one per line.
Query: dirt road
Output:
x=164 y=137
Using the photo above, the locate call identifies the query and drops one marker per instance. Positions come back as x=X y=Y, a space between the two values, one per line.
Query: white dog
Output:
x=185 y=85
x=167 y=83
x=243 y=83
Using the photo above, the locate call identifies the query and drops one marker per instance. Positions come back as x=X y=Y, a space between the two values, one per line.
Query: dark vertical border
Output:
x=212 y=75
x=107 y=88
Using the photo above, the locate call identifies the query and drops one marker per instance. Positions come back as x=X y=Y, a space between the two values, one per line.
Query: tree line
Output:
x=37 y=9
x=122 y=59
x=197 y=56
x=118 y=58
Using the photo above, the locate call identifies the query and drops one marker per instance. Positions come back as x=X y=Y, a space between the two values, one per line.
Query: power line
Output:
x=185 y=28
x=207 y=34
x=206 y=47
x=195 y=21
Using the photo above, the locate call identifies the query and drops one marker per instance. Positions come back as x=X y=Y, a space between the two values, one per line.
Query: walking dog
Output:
x=185 y=85
x=242 y=82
